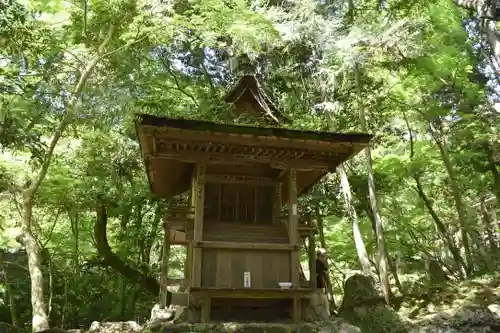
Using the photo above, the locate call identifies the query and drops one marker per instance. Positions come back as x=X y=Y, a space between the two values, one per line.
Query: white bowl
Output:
x=285 y=285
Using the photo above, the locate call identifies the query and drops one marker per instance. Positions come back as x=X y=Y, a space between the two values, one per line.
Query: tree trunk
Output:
x=40 y=319
x=488 y=227
x=358 y=238
x=379 y=234
x=486 y=16
x=322 y=241
x=492 y=166
x=442 y=230
x=465 y=227
x=440 y=226
x=146 y=282
x=10 y=292
x=394 y=271
x=75 y=229
x=381 y=244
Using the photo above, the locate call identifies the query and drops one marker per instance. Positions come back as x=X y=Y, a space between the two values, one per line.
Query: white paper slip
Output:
x=247 y=282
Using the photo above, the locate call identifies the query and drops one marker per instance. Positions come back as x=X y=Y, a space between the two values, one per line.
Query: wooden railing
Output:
x=303 y=227
x=179 y=217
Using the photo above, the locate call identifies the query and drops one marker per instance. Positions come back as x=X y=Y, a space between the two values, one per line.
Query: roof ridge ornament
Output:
x=248 y=96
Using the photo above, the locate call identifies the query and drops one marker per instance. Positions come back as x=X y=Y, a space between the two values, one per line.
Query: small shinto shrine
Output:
x=239 y=219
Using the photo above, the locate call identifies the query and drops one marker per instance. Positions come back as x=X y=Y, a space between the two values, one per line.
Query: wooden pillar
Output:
x=292 y=227
x=187 y=267
x=277 y=205
x=296 y=310
x=198 y=200
x=164 y=265
x=312 y=259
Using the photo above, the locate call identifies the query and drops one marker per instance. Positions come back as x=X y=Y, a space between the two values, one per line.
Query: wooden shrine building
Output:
x=239 y=221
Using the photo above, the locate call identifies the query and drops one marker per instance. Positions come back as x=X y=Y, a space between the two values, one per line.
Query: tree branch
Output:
x=28 y=194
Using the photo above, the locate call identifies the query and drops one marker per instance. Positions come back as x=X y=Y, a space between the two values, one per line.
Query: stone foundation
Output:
x=337 y=326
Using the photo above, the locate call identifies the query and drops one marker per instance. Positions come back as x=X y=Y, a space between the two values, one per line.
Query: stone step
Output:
x=236 y=328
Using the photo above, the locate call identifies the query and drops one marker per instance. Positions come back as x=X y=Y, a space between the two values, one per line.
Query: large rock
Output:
x=159 y=315
x=467 y=319
x=115 y=327
x=8 y=328
x=363 y=307
x=495 y=309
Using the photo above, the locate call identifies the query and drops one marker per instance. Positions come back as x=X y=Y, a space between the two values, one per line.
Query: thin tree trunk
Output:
x=390 y=264
x=465 y=227
x=75 y=229
x=40 y=319
x=358 y=238
x=10 y=292
x=394 y=271
x=441 y=228
x=381 y=244
x=488 y=227
x=65 y=303
x=322 y=241
x=51 y=281
x=492 y=166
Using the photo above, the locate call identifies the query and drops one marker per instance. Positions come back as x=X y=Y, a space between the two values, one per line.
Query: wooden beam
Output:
x=240 y=179
x=199 y=199
x=292 y=227
x=277 y=205
x=245 y=246
x=188 y=265
x=180 y=242
x=178 y=224
x=228 y=158
x=164 y=266
x=275 y=293
x=175 y=282
x=206 y=310
x=296 y=310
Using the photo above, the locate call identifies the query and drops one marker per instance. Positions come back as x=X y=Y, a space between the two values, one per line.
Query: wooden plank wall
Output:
x=244 y=233
x=225 y=268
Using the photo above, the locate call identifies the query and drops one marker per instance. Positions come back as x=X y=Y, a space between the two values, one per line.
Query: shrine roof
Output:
x=268 y=132
x=171 y=147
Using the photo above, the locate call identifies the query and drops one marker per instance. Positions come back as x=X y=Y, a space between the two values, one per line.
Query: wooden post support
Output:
x=187 y=267
x=206 y=309
x=292 y=227
x=296 y=310
x=164 y=265
x=198 y=198
x=312 y=260
x=277 y=205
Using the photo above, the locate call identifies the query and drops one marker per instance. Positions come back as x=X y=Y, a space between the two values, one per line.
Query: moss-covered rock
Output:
x=467 y=318
x=8 y=328
x=363 y=307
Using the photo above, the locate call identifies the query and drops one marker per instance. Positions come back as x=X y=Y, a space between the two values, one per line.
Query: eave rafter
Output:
x=276 y=158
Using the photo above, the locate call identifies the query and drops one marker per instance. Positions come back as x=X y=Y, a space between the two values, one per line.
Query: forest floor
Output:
x=448 y=297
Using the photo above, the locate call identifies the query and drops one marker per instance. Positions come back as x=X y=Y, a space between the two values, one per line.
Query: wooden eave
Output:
x=170 y=148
